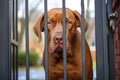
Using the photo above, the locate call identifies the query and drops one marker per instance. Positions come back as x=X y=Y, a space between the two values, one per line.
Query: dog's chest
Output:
x=72 y=72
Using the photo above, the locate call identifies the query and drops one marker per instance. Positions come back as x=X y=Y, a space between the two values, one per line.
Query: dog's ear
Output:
x=78 y=20
x=39 y=27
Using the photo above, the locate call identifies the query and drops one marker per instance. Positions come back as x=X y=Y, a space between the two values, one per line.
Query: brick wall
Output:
x=116 y=8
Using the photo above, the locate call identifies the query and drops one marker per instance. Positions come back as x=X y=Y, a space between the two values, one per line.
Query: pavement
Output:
x=37 y=74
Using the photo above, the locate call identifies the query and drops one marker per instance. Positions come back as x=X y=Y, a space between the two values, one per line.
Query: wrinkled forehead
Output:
x=53 y=12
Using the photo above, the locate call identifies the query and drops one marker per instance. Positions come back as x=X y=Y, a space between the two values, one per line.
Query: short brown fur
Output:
x=74 y=45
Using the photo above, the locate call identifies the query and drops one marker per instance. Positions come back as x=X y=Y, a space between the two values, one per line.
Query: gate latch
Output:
x=113 y=17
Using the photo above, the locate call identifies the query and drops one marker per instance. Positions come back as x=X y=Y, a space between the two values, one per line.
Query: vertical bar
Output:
x=27 y=39
x=64 y=39
x=5 y=69
x=46 y=40
x=109 y=7
x=83 y=42
x=16 y=31
x=110 y=44
x=10 y=24
x=14 y=36
x=11 y=28
x=16 y=39
x=105 y=46
x=13 y=62
x=101 y=40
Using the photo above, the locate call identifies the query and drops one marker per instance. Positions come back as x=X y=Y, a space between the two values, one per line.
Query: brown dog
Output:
x=73 y=45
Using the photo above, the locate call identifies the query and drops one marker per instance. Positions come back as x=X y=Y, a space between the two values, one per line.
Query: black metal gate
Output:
x=9 y=40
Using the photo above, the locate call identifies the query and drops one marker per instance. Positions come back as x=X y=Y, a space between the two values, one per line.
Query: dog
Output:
x=73 y=45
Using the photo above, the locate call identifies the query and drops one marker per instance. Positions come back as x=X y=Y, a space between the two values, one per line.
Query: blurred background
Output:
x=36 y=8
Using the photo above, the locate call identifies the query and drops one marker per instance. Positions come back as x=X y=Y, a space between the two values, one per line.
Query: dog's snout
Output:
x=58 y=39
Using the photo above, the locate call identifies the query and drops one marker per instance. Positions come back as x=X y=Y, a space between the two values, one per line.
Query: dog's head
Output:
x=55 y=29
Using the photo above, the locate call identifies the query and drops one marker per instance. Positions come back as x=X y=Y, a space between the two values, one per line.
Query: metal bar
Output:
x=105 y=46
x=5 y=69
x=99 y=55
x=13 y=54
x=14 y=42
x=111 y=55
x=27 y=39
x=64 y=39
x=10 y=22
x=83 y=42
x=46 y=40
x=101 y=40
x=110 y=43
x=11 y=36
x=109 y=7
x=16 y=2
x=13 y=62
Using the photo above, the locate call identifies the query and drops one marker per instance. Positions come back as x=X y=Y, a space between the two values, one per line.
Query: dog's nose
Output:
x=58 y=39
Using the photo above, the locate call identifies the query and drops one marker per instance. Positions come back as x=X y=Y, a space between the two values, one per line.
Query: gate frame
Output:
x=5 y=69
x=8 y=41
x=102 y=65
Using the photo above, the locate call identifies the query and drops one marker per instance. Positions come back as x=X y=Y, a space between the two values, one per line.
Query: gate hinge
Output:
x=112 y=19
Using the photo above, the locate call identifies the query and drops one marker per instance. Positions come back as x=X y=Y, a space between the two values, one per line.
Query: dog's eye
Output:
x=50 y=22
x=68 y=22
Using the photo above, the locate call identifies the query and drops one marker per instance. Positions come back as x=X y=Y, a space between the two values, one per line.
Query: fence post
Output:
x=5 y=70
x=101 y=40
x=110 y=42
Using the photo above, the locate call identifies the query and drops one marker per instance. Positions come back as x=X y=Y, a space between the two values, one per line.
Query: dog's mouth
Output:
x=58 y=52
x=58 y=49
